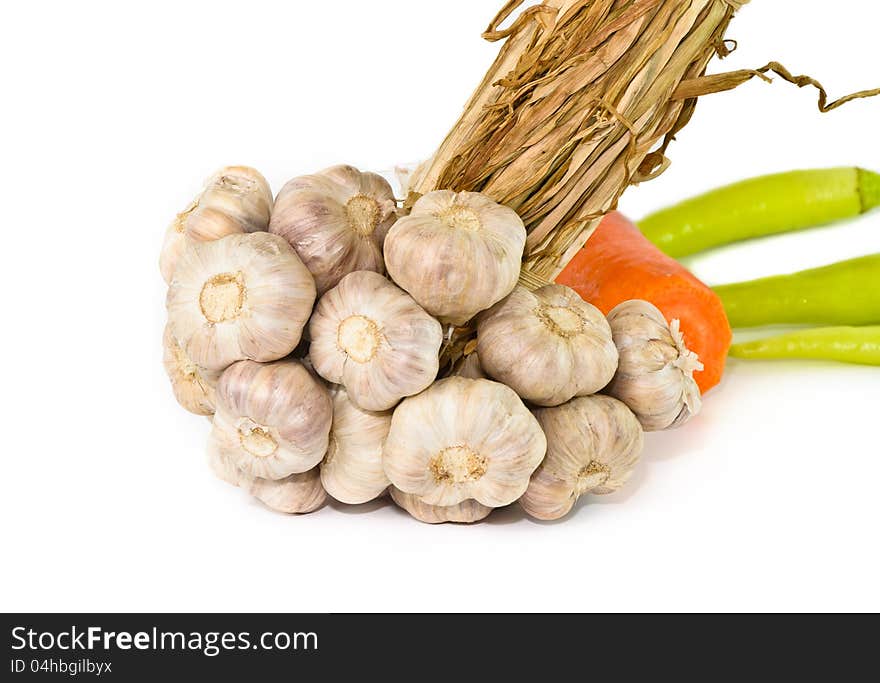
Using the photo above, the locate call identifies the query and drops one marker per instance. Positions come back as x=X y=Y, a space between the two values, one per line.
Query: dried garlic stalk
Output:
x=566 y=117
x=578 y=97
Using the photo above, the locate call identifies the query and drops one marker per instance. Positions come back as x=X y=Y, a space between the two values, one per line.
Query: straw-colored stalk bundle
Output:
x=565 y=119
x=582 y=101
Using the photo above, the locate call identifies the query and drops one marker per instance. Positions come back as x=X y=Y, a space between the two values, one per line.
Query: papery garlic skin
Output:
x=352 y=471
x=236 y=199
x=296 y=494
x=548 y=345
x=593 y=445
x=193 y=386
x=336 y=220
x=466 y=512
x=271 y=420
x=456 y=253
x=241 y=297
x=655 y=377
x=463 y=439
x=371 y=337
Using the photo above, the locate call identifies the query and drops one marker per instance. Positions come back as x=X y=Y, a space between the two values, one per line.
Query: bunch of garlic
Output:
x=655 y=377
x=336 y=220
x=241 y=297
x=341 y=398
x=236 y=199
x=456 y=253
x=548 y=345
x=593 y=444
x=371 y=337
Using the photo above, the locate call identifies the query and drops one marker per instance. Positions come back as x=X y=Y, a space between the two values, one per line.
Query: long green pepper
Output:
x=860 y=345
x=845 y=293
x=758 y=207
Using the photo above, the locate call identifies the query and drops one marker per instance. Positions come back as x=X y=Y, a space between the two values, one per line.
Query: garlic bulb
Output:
x=242 y=193
x=371 y=337
x=336 y=220
x=272 y=420
x=456 y=253
x=593 y=444
x=223 y=467
x=463 y=439
x=656 y=373
x=236 y=199
x=296 y=494
x=193 y=386
x=241 y=297
x=352 y=469
x=466 y=512
x=548 y=345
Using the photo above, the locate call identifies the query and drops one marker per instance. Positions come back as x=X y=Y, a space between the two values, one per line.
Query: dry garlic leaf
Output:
x=656 y=373
x=548 y=345
x=466 y=512
x=593 y=445
x=463 y=439
x=456 y=253
x=241 y=297
x=336 y=220
x=236 y=199
x=193 y=386
x=372 y=338
x=352 y=470
x=272 y=420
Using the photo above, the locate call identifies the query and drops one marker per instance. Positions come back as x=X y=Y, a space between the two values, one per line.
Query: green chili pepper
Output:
x=859 y=345
x=763 y=206
x=845 y=293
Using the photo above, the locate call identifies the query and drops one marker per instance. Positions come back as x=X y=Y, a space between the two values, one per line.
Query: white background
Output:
x=114 y=113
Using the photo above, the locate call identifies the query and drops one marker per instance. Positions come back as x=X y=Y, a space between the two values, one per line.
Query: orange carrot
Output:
x=619 y=263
